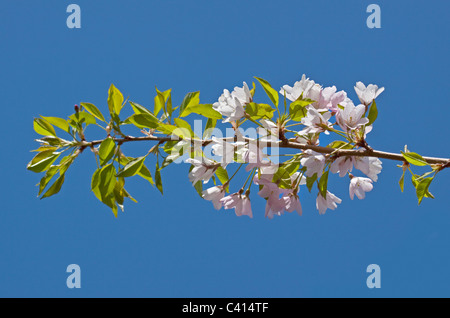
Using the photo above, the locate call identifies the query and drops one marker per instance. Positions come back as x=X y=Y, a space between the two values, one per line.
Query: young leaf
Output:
x=81 y=118
x=132 y=168
x=158 y=180
x=422 y=188
x=106 y=150
x=139 y=109
x=373 y=113
x=46 y=179
x=401 y=182
x=257 y=111
x=222 y=174
x=58 y=122
x=199 y=188
x=185 y=131
x=205 y=110
x=310 y=181
x=159 y=102
x=190 y=99
x=115 y=100
x=282 y=178
x=93 y=111
x=95 y=183
x=42 y=127
x=42 y=161
x=144 y=121
x=252 y=91
x=297 y=109
x=323 y=184
x=414 y=158
x=210 y=125
x=340 y=144
x=145 y=173
x=55 y=188
x=107 y=181
x=273 y=94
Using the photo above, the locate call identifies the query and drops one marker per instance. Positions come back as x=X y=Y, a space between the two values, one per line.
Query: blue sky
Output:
x=177 y=245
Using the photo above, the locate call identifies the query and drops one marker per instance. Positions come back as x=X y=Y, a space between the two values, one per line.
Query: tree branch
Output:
x=368 y=152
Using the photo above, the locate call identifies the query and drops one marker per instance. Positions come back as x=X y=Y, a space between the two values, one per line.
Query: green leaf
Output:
x=106 y=150
x=373 y=113
x=158 y=179
x=252 y=91
x=55 y=188
x=257 y=111
x=107 y=181
x=339 y=144
x=414 y=158
x=199 y=188
x=95 y=183
x=185 y=131
x=422 y=188
x=401 y=182
x=58 y=122
x=273 y=94
x=42 y=127
x=292 y=167
x=210 y=125
x=282 y=178
x=65 y=163
x=159 y=102
x=115 y=100
x=297 y=109
x=222 y=174
x=46 y=179
x=310 y=181
x=139 y=109
x=190 y=99
x=42 y=161
x=144 y=121
x=81 y=118
x=145 y=173
x=168 y=98
x=205 y=110
x=132 y=168
x=323 y=184
x=93 y=111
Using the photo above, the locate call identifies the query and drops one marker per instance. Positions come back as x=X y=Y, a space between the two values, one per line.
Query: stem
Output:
x=287 y=144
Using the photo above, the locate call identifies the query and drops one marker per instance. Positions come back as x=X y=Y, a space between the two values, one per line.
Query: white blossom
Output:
x=214 y=194
x=300 y=87
x=314 y=121
x=330 y=202
x=240 y=203
x=370 y=166
x=204 y=169
x=313 y=161
x=231 y=105
x=359 y=186
x=367 y=94
x=351 y=117
x=342 y=165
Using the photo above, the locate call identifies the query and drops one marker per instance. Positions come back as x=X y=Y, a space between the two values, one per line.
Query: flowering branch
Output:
x=444 y=162
x=311 y=106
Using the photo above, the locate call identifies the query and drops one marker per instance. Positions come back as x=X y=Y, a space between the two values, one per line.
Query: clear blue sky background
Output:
x=177 y=245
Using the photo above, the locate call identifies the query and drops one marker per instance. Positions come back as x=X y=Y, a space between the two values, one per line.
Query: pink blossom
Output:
x=342 y=165
x=330 y=202
x=367 y=94
x=239 y=202
x=313 y=161
x=359 y=186
x=214 y=194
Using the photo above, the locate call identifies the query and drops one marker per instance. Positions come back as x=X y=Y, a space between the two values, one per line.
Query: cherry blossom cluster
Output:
x=325 y=110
